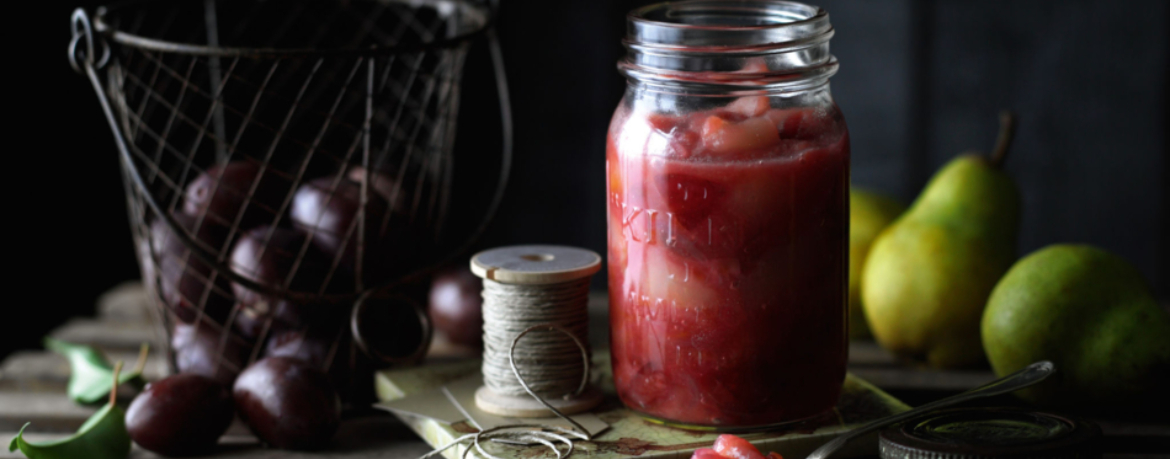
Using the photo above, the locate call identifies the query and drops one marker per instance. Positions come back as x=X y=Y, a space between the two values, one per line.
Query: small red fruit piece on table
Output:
x=729 y=446
x=706 y=453
x=733 y=447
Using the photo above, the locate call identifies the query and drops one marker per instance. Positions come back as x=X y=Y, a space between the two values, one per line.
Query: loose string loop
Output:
x=509 y=311
x=584 y=377
x=524 y=434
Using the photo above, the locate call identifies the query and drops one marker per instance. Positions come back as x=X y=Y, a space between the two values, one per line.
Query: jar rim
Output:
x=729 y=45
x=722 y=23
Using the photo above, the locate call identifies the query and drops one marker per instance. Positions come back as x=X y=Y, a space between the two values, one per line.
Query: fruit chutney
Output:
x=727 y=167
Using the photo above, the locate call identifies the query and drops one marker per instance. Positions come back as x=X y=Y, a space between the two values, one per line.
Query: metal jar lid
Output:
x=977 y=433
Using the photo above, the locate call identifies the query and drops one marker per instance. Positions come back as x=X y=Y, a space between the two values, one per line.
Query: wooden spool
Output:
x=535 y=265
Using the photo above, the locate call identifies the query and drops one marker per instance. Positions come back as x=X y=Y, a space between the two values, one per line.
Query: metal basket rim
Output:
x=154 y=44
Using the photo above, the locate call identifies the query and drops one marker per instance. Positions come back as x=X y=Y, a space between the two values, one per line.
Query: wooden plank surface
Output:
x=364 y=438
x=126 y=302
x=32 y=385
x=47 y=371
x=108 y=335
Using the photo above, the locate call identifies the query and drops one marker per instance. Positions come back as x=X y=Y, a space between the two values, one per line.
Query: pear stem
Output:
x=1007 y=132
x=114 y=389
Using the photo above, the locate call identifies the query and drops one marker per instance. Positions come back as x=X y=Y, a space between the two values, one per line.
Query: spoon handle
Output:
x=1028 y=376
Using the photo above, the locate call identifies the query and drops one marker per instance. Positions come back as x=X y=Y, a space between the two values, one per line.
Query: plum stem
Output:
x=1007 y=132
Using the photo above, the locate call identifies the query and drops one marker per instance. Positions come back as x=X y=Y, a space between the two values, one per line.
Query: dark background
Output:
x=919 y=83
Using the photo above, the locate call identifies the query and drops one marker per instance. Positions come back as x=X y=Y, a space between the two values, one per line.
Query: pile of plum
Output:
x=280 y=364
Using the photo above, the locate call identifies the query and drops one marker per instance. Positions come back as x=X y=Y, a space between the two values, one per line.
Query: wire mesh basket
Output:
x=286 y=166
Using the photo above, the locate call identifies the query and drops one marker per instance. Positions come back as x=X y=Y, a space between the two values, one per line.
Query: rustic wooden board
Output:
x=48 y=411
x=37 y=379
x=934 y=380
x=48 y=371
x=110 y=335
x=32 y=385
x=126 y=302
x=868 y=353
x=364 y=438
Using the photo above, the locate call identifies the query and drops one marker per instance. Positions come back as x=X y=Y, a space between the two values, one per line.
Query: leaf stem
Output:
x=114 y=390
x=142 y=353
x=1007 y=132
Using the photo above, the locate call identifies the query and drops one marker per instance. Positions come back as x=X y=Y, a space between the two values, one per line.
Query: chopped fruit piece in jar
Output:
x=615 y=180
x=749 y=105
x=662 y=122
x=683 y=142
x=668 y=276
x=723 y=137
x=754 y=65
x=691 y=199
x=798 y=123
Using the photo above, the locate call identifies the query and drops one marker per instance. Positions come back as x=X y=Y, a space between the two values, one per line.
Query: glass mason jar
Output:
x=728 y=207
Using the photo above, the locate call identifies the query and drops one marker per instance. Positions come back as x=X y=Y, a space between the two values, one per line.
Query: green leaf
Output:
x=90 y=372
x=103 y=436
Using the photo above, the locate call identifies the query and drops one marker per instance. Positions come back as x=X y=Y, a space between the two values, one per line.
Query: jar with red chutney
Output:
x=728 y=171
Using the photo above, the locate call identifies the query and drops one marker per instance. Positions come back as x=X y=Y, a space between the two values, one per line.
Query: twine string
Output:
x=551 y=364
x=552 y=367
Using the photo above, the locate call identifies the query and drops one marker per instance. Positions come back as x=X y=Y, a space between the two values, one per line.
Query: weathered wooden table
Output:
x=32 y=389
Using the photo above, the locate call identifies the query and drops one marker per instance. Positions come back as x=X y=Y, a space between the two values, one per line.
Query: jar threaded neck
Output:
x=760 y=43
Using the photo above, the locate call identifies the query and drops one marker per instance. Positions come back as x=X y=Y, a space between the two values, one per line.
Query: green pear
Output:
x=1089 y=312
x=869 y=214
x=928 y=275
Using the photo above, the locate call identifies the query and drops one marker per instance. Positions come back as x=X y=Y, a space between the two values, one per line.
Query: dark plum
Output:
x=287 y=403
x=222 y=192
x=329 y=211
x=456 y=305
x=248 y=323
x=182 y=415
x=272 y=264
x=314 y=347
x=323 y=348
x=185 y=280
x=198 y=351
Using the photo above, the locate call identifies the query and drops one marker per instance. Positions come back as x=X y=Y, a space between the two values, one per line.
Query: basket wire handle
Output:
x=83 y=30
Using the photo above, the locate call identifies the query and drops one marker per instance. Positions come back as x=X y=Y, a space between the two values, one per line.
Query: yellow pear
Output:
x=869 y=214
x=929 y=274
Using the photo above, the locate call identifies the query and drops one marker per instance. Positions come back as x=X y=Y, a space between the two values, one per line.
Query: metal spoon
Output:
x=1030 y=375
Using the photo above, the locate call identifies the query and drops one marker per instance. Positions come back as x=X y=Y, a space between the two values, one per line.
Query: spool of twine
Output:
x=549 y=361
x=536 y=325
